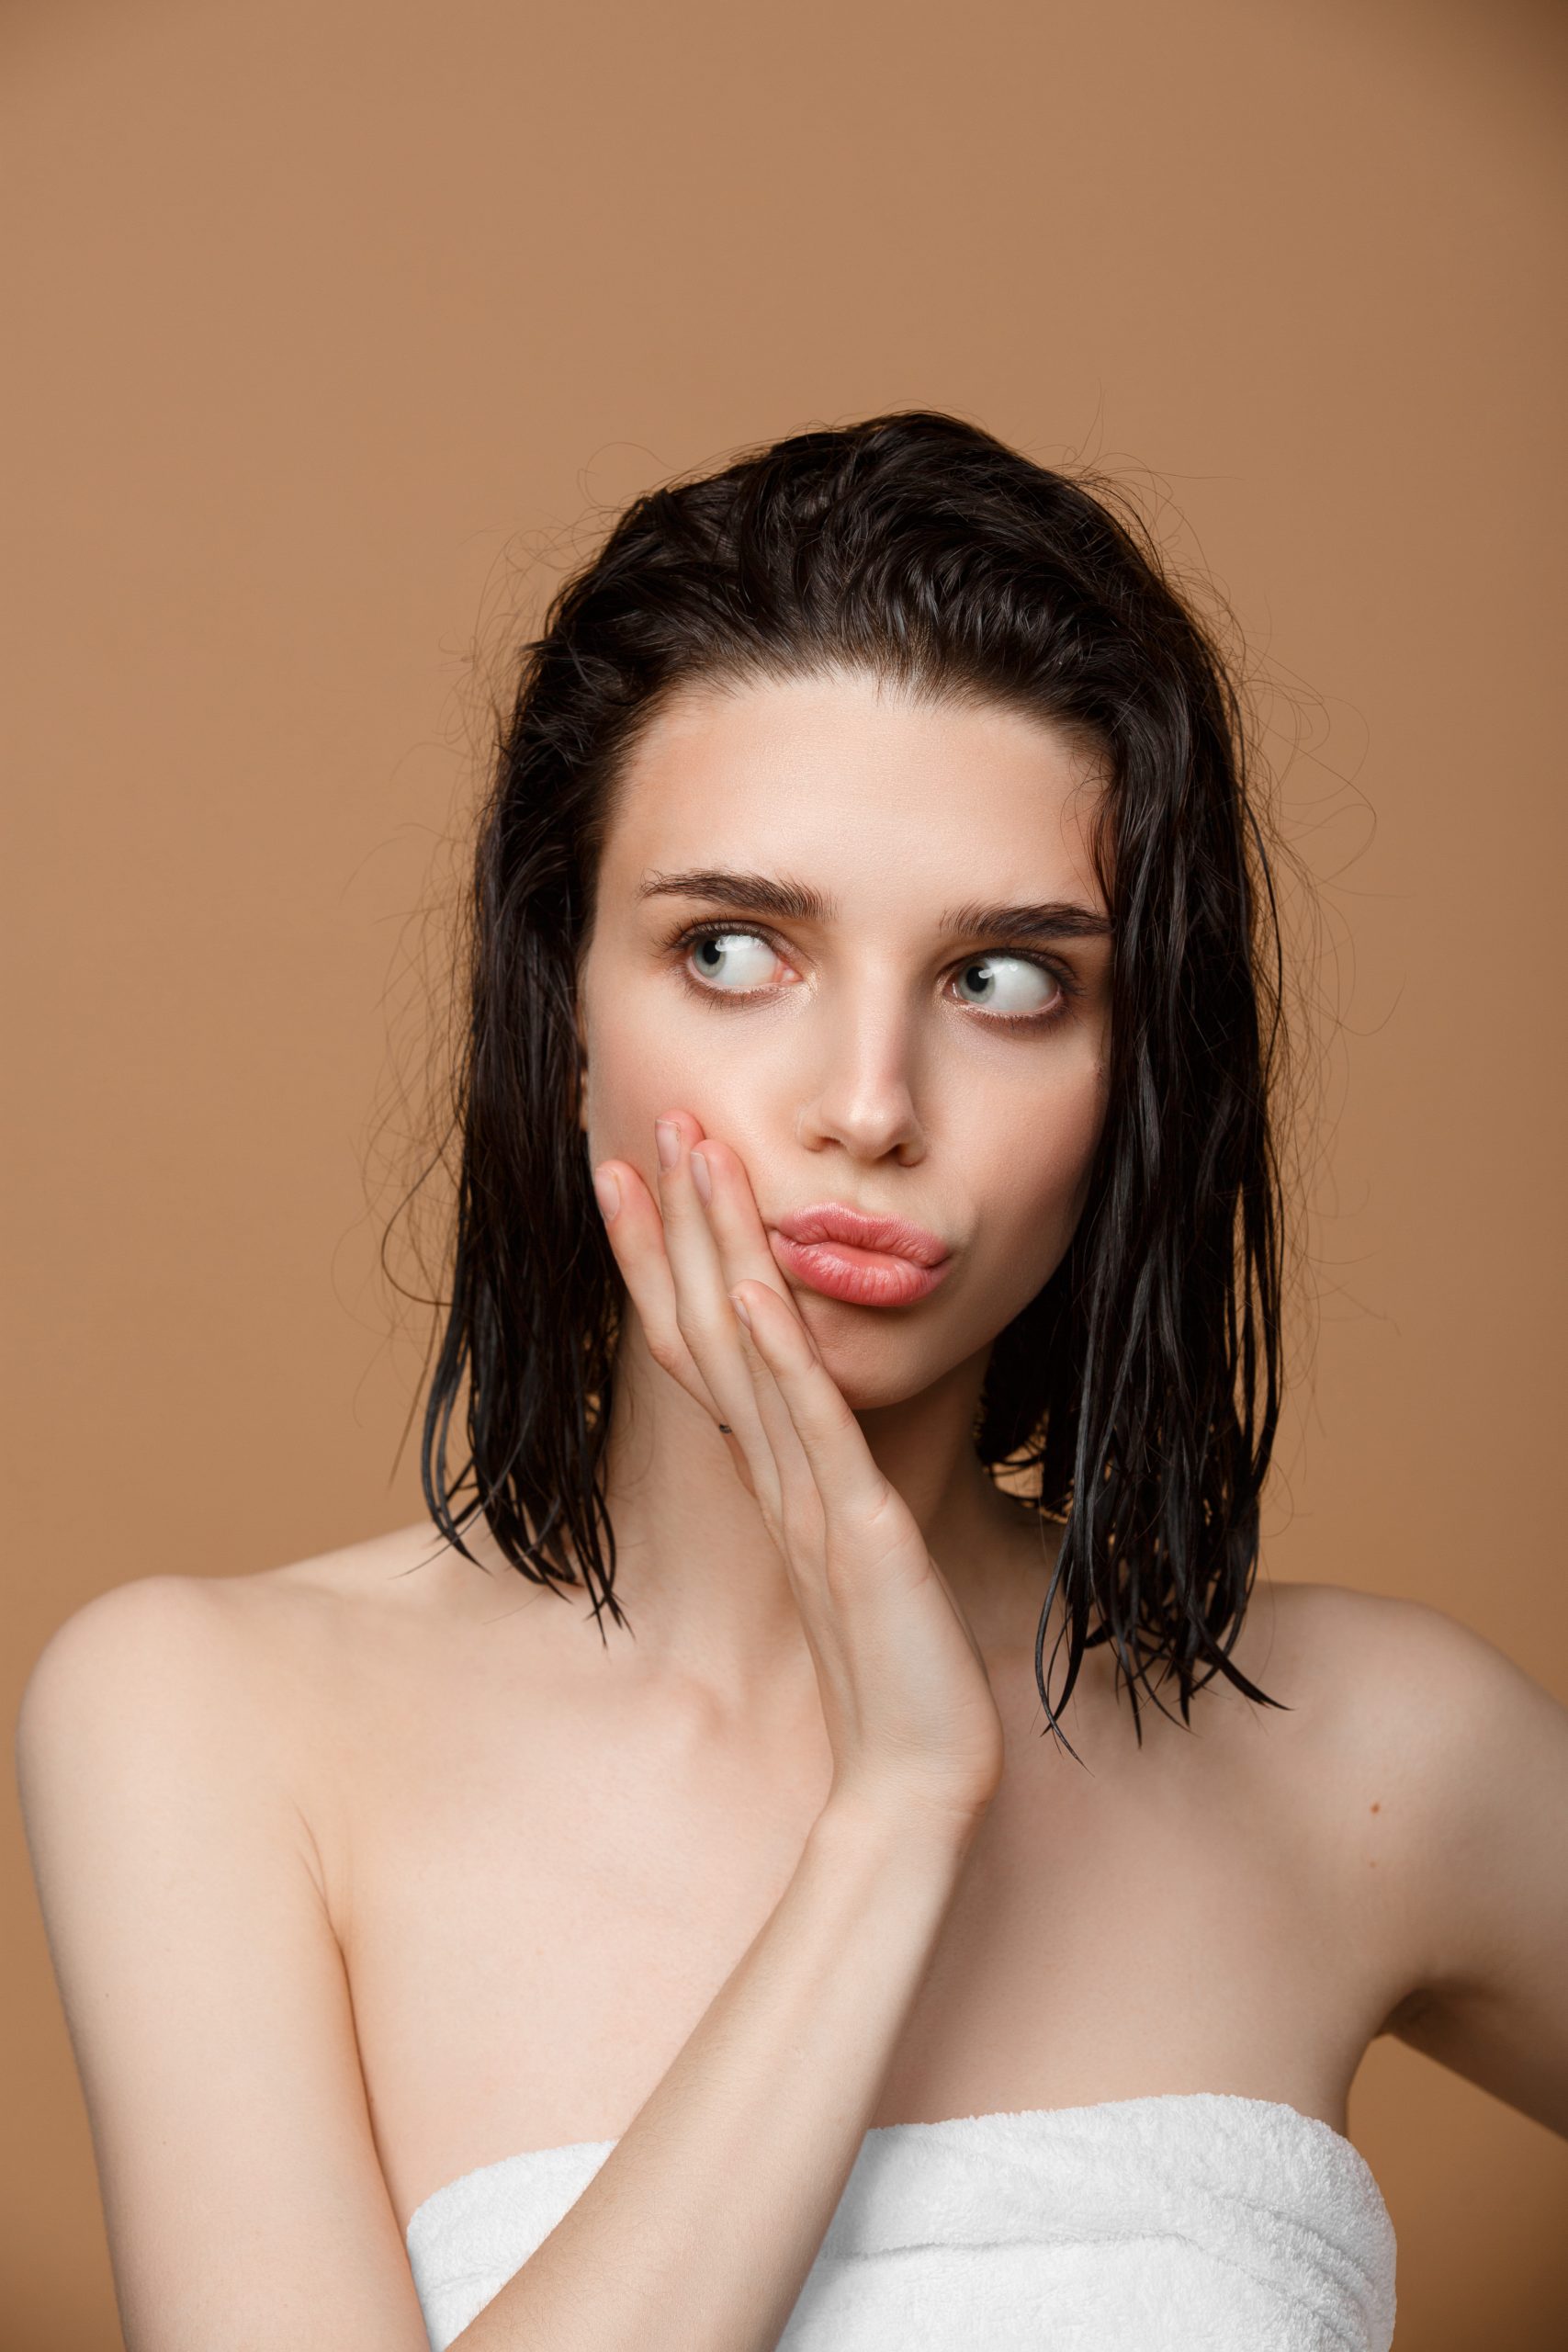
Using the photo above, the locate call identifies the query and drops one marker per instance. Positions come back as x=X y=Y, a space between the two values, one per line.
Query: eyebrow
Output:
x=761 y=894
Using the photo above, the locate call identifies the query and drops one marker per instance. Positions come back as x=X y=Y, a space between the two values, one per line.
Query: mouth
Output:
x=862 y=1261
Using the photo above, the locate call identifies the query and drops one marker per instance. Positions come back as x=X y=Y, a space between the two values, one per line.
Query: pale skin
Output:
x=375 y=1869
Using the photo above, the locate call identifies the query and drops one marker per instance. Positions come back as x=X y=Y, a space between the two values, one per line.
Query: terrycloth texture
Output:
x=1186 y=2222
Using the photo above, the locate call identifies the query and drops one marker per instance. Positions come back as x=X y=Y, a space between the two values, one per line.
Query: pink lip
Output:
x=864 y=1261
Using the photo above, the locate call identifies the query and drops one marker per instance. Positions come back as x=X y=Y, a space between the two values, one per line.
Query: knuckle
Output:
x=828 y=1414
x=883 y=1504
x=844 y=1580
x=686 y=1319
x=696 y=1328
x=773 y=1521
x=804 y=1521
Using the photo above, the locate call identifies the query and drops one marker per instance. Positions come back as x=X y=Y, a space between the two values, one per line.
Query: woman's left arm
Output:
x=1485 y=1863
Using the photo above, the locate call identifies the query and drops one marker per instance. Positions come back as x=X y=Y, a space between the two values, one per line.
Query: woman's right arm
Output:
x=697 y=2231
x=205 y=1993
x=245 y=2207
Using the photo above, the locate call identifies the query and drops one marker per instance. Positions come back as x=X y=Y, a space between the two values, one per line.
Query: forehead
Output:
x=851 y=784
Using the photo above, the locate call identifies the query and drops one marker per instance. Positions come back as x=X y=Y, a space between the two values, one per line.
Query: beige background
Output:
x=334 y=323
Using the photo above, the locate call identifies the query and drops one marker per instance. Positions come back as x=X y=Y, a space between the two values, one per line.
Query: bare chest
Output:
x=536 y=1906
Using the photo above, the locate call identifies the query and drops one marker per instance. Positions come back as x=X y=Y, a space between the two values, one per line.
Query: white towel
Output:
x=1186 y=2222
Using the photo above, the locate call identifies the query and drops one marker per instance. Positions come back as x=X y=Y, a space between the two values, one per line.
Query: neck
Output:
x=707 y=1595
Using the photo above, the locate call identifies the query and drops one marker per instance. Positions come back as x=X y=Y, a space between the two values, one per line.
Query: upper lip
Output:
x=832 y=1221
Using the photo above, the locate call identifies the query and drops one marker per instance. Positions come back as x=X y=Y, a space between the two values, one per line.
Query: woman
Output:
x=795 y=1937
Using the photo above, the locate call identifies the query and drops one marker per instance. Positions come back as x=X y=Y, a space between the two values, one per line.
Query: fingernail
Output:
x=607 y=1192
x=667 y=1135
x=740 y=1306
x=701 y=1177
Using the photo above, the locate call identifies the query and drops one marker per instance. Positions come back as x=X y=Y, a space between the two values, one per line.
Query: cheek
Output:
x=624 y=1091
x=1034 y=1190
x=640 y=1063
x=1027 y=1193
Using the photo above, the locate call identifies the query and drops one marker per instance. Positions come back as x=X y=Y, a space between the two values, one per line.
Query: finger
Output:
x=635 y=1234
x=794 y=1510
x=830 y=1438
x=642 y=1232
x=702 y=1309
x=734 y=1220
x=741 y=1242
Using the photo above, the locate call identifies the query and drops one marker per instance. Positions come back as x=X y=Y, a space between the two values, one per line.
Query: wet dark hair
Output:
x=1139 y=1391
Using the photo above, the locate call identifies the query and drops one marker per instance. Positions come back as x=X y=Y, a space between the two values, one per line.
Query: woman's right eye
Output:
x=733 y=962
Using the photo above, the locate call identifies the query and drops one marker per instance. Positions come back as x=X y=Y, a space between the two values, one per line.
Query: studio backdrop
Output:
x=337 y=328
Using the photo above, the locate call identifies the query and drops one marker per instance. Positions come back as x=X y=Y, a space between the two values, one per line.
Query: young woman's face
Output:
x=802 y=937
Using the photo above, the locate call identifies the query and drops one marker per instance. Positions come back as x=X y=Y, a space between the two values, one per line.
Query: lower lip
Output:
x=859 y=1277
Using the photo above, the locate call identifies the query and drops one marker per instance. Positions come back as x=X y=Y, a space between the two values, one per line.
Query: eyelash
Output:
x=684 y=943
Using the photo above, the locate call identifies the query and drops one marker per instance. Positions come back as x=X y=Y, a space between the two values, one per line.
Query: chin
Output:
x=880 y=1361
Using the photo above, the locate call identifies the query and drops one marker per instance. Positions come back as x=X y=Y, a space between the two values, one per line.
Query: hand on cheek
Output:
x=903 y=1683
x=680 y=1257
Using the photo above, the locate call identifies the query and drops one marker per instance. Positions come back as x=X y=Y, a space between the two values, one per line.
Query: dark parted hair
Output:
x=1137 y=1394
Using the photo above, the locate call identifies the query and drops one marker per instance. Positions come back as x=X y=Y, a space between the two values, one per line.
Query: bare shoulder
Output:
x=1331 y=1628
x=142 y=1661
x=276 y=1669
x=1406 y=1709
x=165 y=1789
x=144 y=1714
x=1439 y=1772
x=1390 y=1674
x=154 y=1631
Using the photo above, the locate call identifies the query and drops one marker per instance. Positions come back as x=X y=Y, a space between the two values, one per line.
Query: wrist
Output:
x=889 y=1829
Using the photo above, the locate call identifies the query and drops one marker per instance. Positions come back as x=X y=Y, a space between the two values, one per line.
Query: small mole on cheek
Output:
x=1377 y=1806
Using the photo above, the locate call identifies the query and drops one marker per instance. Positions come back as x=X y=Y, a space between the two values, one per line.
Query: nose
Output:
x=864 y=1097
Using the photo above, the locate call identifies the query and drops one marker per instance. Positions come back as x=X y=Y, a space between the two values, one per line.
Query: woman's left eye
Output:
x=1010 y=985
